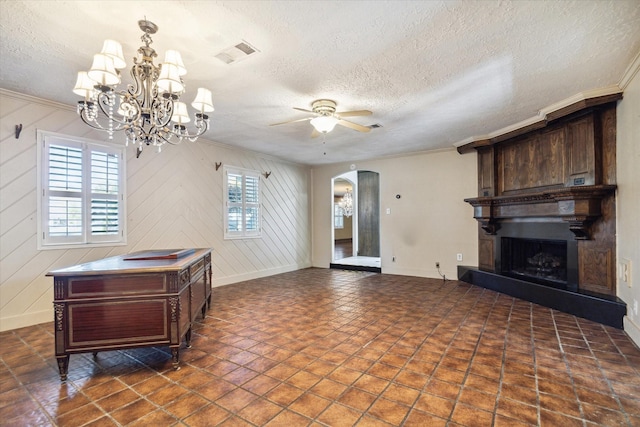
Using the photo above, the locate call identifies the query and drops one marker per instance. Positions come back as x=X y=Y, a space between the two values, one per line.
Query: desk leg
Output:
x=63 y=366
x=188 y=338
x=175 y=355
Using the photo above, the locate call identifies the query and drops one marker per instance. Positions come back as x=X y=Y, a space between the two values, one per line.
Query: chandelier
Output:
x=346 y=204
x=149 y=111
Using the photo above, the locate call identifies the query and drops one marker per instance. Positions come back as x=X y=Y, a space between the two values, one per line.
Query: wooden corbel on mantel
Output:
x=578 y=206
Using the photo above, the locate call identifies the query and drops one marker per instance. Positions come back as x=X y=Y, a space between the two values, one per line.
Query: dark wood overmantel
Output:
x=578 y=206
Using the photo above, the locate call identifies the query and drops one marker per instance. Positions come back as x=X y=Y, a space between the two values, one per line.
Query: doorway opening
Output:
x=356 y=221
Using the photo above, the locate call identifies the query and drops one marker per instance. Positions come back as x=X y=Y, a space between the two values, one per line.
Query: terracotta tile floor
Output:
x=323 y=347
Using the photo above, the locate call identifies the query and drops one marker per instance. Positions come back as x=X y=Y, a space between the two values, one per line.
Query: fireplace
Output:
x=546 y=211
x=539 y=252
x=541 y=261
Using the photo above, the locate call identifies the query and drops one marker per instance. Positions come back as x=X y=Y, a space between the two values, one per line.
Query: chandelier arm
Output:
x=91 y=117
x=180 y=131
x=135 y=88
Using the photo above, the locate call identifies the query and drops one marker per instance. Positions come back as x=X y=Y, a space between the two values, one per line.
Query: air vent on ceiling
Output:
x=236 y=53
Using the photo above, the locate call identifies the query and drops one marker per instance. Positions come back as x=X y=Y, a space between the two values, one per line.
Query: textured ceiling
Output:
x=434 y=73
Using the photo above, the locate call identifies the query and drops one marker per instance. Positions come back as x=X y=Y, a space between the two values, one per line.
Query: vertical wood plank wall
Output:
x=174 y=199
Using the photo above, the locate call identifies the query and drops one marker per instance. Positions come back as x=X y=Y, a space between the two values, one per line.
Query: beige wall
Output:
x=175 y=199
x=429 y=223
x=628 y=196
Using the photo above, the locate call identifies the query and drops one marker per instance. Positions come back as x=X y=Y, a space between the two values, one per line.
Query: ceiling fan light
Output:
x=102 y=70
x=174 y=57
x=324 y=124
x=203 y=102
x=113 y=49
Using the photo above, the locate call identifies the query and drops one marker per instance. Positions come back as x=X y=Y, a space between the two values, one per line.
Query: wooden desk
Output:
x=148 y=298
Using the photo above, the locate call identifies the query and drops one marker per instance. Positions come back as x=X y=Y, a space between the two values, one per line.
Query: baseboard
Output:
x=632 y=329
x=427 y=273
x=27 y=319
x=228 y=280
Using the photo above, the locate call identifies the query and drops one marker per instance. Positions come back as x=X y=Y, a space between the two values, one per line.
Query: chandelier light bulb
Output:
x=102 y=70
x=113 y=49
x=180 y=114
x=174 y=57
x=169 y=79
x=203 y=102
x=84 y=86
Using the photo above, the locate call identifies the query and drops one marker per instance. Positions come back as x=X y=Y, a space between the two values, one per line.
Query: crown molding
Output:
x=35 y=99
x=630 y=72
x=541 y=118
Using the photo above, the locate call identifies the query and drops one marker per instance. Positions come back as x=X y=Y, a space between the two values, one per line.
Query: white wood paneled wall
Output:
x=174 y=200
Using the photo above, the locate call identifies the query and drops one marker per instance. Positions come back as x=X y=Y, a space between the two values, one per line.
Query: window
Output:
x=338 y=216
x=242 y=213
x=81 y=188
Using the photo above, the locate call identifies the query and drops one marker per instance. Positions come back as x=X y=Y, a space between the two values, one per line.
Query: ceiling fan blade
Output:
x=315 y=133
x=354 y=126
x=354 y=113
x=302 y=109
x=291 y=121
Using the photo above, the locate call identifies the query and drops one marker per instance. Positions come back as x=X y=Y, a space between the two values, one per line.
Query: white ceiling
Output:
x=434 y=73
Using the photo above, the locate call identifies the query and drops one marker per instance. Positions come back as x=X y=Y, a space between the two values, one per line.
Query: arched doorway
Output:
x=356 y=224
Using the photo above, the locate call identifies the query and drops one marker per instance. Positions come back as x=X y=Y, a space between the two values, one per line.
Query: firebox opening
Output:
x=536 y=260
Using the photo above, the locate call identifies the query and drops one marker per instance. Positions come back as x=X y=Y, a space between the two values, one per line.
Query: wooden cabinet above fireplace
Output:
x=561 y=169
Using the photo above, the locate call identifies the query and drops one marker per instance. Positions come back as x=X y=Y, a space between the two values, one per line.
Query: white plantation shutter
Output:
x=105 y=192
x=82 y=190
x=64 y=201
x=242 y=211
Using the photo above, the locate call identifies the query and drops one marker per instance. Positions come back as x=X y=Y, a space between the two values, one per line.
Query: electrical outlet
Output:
x=437 y=264
x=458 y=257
x=635 y=307
x=624 y=273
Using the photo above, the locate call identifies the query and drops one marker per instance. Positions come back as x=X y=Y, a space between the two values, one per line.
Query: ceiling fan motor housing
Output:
x=324 y=107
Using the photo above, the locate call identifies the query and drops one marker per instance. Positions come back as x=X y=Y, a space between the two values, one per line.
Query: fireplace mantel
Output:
x=578 y=206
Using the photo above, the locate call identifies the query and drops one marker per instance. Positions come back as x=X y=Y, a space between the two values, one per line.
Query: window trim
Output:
x=44 y=242
x=243 y=234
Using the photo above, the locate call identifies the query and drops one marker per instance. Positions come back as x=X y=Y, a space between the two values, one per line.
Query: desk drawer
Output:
x=117 y=322
x=105 y=286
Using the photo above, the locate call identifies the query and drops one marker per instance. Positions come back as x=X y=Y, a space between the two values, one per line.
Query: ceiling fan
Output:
x=325 y=117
